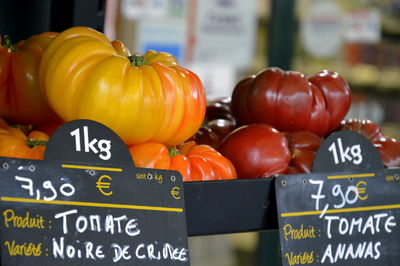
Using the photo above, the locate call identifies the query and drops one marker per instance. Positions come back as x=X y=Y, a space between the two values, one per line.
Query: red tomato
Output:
x=219 y=108
x=256 y=150
x=289 y=101
x=365 y=127
x=207 y=136
x=213 y=132
x=222 y=127
x=389 y=150
x=303 y=146
x=24 y=103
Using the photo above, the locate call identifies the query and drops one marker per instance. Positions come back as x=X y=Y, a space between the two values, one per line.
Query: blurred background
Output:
x=224 y=40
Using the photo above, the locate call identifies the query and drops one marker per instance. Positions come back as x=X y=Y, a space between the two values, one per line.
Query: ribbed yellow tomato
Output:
x=85 y=76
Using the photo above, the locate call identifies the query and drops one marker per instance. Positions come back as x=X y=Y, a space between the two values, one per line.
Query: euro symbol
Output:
x=104 y=184
x=175 y=193
x=362 y=190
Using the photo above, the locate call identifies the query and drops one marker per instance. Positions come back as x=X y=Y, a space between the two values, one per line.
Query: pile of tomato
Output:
x=273 y=122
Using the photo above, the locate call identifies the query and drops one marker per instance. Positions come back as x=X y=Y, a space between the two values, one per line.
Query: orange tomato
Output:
x=194 y=162
x=14 y=143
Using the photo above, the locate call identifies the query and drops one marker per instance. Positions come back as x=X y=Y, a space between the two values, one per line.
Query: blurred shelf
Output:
x=381 y=79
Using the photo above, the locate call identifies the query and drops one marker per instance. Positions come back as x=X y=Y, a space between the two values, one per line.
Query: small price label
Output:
x=346 y=150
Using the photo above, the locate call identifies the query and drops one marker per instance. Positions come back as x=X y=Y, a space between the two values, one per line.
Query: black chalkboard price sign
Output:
x=89 y=205
x=340 y=217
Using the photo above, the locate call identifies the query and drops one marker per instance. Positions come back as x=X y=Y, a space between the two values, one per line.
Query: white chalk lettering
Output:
x=70 y=251
x=112 y=225
x=362 y=250
x=319 y=195
x=120 y=252
x=95 y=223
x=372 y=224
x=132 y=228
x=81 y=224
x=63 y=215
x=390 y=222
x=138 y=248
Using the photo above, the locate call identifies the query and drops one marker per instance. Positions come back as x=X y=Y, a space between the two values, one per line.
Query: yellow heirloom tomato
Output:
x=142 y=98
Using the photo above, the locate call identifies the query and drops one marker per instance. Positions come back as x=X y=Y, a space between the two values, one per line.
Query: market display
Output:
x=113 y=157
x=273 y=123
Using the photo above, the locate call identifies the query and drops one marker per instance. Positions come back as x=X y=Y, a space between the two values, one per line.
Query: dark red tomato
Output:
x=219 y=108
x=289 y=101
x=213 y=132
x=303 y=140
x=207 y=136
x=257 y=150
x=389 y=150
x=222 y=127
x=303 y=146
x=336 y=93
x=365 y=127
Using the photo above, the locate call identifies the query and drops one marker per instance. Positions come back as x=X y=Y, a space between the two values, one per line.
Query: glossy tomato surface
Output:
x=369 y=129
x=289 y=101
x=142 y=98
x=257 y=150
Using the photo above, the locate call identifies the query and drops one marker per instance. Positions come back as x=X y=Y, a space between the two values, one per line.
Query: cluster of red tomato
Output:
x=276 y=120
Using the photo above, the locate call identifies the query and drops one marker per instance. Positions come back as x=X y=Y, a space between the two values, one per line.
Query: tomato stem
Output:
x=35 y=142
x=136 y=60
x=173 y=151
x=5 y=41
